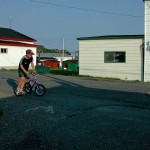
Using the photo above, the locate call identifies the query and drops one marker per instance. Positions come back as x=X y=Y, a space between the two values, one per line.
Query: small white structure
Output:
x=57 y=56
x=13 y=46
x=147 y=41
x=119 y=56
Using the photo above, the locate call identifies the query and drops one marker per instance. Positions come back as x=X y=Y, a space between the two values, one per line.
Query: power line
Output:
x=84 y=9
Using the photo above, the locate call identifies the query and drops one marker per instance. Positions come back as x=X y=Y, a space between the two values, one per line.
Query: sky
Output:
x=49 y=21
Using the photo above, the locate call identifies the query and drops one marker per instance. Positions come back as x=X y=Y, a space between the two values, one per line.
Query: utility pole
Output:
x=40 y=54
x=63 y=50
x=75 y=54
x=10 y=21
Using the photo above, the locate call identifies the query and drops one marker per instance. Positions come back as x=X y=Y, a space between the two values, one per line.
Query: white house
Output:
x=147 y=41
x=13 y=46
x=117 y=56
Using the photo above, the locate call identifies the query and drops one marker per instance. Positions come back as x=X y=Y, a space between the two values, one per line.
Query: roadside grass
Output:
x=15 y=70
x=69 y=73
x=99 y=77
x=3 y=69
x=76 y=74
x=52 y=71
x=64 y=72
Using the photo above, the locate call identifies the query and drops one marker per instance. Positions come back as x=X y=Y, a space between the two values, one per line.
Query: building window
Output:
x=3 y=50
x=115 y=57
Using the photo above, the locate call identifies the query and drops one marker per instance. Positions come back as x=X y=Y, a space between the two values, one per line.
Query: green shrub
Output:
x=64 y=72
x=3 y=69
x=41 y=72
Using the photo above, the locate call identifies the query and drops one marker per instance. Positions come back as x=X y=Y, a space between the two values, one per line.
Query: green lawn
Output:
x=52 y=71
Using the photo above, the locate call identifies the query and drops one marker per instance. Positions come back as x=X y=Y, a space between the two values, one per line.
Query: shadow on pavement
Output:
x=83 y=118
x=12 y=83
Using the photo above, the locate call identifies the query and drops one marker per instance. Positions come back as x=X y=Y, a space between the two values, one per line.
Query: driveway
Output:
x=76 y=113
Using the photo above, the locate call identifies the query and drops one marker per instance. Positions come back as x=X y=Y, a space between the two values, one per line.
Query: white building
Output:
x=99 y=56
x=112 y=56
x=13 y=46
x=147 y=41
x=57 y=56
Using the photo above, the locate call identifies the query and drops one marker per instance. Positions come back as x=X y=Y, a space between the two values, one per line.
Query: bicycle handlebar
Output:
x=33 y=74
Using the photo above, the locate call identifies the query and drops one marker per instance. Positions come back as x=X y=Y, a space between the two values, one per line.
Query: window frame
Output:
x=105 y=52
x=3 y=52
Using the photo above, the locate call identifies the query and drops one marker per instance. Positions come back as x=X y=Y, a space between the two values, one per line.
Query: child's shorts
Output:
x=21 y=73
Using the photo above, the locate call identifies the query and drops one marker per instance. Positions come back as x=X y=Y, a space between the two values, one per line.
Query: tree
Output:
x=42 y=49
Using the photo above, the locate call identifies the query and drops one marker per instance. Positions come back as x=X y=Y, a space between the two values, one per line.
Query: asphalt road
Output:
x=76 y=113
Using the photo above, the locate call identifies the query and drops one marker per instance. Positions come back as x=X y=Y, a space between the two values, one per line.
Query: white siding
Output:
x=147 y=42
x=12 y=58
x=91 y=58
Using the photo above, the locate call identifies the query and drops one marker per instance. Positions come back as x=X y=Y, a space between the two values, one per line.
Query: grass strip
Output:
x=69 y=73
x=64 y=72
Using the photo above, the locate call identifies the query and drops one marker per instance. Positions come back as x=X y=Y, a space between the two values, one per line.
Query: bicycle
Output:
x=40 y=90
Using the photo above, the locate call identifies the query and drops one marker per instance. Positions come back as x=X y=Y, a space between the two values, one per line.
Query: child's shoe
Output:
x=23 y=92
x=17 y=92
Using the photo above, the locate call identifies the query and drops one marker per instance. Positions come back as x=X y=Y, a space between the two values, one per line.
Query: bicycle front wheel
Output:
x=40 y=90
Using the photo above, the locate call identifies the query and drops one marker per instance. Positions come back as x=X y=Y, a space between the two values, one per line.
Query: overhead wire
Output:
x=85 y=9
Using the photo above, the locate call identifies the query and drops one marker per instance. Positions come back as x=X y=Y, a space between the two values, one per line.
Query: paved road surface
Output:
x=75 y=114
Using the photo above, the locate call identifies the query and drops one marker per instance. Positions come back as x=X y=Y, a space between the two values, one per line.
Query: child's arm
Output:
x=33 y=67
x=26 y=72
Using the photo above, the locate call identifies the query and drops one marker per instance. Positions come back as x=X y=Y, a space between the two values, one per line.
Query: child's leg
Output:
x=21 y=83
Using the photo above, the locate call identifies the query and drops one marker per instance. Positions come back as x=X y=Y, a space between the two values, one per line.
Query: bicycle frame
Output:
x=32 y=82
x=33 y=79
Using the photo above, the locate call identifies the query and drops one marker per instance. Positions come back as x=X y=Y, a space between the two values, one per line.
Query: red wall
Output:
x=51 y=64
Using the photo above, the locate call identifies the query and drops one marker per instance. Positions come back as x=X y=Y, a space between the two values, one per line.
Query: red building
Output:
x=50 y=63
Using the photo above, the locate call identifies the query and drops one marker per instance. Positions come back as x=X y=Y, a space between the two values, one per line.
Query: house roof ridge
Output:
x=12 y=43
x=11 y=34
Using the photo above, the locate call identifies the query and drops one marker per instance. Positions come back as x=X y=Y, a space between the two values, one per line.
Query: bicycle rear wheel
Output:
x=40 y=90
x=28 y=87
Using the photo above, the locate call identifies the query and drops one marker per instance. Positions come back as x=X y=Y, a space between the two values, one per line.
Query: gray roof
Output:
x=53 y=55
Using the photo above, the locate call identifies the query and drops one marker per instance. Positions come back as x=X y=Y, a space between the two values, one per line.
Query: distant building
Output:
x=49 y=63
x=54 y=56
x=13 y=46
x=71 y=65
x=57 y=56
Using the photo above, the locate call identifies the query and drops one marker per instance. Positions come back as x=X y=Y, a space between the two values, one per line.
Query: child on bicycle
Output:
x=23 y=71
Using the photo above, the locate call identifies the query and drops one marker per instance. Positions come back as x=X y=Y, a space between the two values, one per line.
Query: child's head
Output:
x=29 y=53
